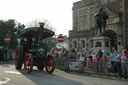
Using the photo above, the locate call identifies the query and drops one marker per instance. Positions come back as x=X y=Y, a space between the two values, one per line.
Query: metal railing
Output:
x=86 y=66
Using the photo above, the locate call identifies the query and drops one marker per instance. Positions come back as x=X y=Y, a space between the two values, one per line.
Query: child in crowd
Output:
x=78 y=55
x=89 y=59
x=94 y=58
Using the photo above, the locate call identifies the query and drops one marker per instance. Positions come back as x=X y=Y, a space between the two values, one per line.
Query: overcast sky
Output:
x=57 y=12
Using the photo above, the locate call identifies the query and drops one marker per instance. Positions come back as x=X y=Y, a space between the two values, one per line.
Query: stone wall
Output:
x=126 y=21
x=114 y=5
x=115 y=8
x=126 y=15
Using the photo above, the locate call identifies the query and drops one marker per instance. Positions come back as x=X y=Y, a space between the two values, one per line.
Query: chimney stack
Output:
x=42 y=25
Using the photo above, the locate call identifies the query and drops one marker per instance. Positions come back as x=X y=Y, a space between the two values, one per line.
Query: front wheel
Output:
x=28 y=63
x=50 y=64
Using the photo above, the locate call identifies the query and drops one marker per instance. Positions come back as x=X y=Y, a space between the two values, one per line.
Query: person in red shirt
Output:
x=124 y=64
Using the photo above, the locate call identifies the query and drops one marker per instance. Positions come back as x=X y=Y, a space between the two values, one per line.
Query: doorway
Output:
x=113 y=38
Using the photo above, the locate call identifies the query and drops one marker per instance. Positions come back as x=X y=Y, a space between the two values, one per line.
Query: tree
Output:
x=19 y=28
x=9 y=28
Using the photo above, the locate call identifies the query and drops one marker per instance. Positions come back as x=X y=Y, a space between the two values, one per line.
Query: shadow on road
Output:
x=43 y=78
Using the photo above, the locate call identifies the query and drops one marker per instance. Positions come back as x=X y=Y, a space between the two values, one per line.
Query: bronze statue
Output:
x=101 y=18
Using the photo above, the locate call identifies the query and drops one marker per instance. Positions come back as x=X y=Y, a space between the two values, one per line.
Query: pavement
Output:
x=9 y=62
x=110 y=76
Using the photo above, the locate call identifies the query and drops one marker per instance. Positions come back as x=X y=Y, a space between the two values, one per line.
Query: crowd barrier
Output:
x=86 y=66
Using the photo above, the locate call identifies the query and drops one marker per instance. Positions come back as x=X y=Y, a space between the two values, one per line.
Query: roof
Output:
x=34 y=32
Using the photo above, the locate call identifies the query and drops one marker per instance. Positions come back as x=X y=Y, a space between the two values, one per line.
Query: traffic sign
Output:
x=60 y=38
x=7 y=39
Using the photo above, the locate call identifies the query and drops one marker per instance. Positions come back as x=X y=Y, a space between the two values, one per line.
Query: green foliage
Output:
x=12 y=29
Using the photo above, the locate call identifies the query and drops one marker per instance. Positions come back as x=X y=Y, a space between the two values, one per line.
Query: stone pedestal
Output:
x=102 y=42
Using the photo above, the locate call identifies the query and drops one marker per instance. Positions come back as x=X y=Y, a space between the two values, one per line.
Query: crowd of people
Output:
x=5 y=54
x=117 y=60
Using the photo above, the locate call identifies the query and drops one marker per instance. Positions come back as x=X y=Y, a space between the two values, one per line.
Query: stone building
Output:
x=84 y=26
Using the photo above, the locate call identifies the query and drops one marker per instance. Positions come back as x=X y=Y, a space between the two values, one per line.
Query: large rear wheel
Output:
x=28 y=63
x=18 y=59
x=50 y=64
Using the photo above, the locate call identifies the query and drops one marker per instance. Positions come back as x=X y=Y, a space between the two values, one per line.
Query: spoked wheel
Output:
x=50 y=65
x=18 y=58
x=28 y=63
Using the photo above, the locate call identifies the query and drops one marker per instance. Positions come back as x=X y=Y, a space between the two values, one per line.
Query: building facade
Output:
x=84 y=23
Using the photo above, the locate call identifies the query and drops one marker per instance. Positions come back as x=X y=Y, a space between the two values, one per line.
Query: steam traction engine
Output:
x=32 y=50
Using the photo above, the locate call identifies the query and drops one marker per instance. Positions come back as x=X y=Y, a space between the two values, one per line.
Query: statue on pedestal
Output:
x=101 y=18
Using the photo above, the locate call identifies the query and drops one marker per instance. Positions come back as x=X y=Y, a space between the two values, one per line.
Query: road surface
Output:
x=10 y=76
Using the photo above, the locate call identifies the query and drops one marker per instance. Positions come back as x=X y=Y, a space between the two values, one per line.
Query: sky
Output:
x=57 y=12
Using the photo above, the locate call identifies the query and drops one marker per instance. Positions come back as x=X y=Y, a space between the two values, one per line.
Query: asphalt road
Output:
x=10 y=76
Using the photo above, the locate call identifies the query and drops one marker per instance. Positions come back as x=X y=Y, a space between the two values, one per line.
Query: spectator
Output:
x=1 y=54
x=94 y=58
x=62 y=49
x=99 y=62
x=73 y=50
x=84 y=52
x=9 y=54
x=112 y=55
x=60 y=53
x=79 y=54
x=124 y=64
x=108 y=61
x=73 y=53
x=89 y=59
x=78 y=57
x=117 y=63
x=65 y=53
x=122 y=50
x=73 y=56
x=55 y=52
x=5 y=54
x=82 y=59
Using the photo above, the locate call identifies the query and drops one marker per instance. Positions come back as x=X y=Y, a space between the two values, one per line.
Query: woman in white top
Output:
x=109 y=61
x=81 y=60
x=94 y=58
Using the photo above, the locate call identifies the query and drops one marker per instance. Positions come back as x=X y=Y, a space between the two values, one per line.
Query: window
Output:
x=83 y=19
x=75 y=44
x=92 y=20
x=98 y=44
x=83 y=43
x=91 y=43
